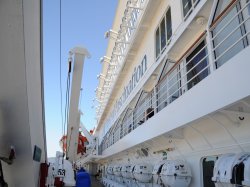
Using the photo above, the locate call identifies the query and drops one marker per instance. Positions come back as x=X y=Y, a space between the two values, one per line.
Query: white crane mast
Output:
x=79 y=55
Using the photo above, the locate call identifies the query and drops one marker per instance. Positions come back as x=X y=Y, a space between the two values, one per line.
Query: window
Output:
x=197 y=65
x=163 y=33
x=188 y=6
x=169 y=24
x=248 y=6
x=157 y=43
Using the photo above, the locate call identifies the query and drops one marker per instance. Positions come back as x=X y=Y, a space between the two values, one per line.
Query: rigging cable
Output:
x=67 y=103
x=60 y=44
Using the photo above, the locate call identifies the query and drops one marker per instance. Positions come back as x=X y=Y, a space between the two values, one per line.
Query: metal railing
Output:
x=190 y=69
x=173 y=85
x=230 y=32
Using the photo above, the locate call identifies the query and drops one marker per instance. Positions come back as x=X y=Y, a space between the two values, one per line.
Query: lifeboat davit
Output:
x=81 y=149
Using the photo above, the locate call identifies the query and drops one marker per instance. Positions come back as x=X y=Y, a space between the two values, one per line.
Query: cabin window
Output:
x=207 y=170
x=157 y=43
x=248 y=6
x=231 y=32
x=169 y=24
x=163 y=33
x=188 y=6
x=197 y=65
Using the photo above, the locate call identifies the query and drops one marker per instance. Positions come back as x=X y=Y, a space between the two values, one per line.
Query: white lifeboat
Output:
x=143 y=173
x=126 y=171
x=231 y=169
x=156 y=173
x=117 y=171
x=110 y=170
x=176 y=173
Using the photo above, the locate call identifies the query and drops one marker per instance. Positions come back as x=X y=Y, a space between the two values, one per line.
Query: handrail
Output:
x=222 y=14
x=184 y=54
x=230 y=21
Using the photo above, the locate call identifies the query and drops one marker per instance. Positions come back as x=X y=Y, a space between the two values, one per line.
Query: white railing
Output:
x=230 y=32
x=164 y=92
x=188 y=71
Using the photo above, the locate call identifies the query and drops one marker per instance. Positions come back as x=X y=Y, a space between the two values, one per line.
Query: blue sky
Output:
x=84 y=23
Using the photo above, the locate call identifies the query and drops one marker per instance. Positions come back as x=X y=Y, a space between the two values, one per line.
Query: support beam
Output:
x=73 y=125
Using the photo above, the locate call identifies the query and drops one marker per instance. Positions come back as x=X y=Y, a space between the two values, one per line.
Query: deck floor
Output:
x=95 y=183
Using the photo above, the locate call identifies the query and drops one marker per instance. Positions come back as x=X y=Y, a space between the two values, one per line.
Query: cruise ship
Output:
x=174 y=96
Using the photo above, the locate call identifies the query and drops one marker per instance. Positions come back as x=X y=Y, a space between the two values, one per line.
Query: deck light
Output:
x=111 y=34
x=105 y=59
x=98 y=89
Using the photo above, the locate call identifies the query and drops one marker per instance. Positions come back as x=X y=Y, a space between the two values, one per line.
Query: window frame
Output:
x=194 y=3
x=157 y=55
x=167 y=41
x=203 y=39
x=163 y=48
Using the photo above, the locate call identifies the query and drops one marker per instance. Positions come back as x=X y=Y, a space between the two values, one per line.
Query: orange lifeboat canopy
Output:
x=81 y=141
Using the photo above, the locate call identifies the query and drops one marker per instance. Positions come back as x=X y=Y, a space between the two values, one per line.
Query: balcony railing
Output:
x=227 y=36
x=230 y=31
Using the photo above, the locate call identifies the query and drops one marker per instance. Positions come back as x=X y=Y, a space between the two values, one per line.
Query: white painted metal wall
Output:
x=21 y=93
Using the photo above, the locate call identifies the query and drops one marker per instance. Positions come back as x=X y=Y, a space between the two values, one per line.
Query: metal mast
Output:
x=79 y=54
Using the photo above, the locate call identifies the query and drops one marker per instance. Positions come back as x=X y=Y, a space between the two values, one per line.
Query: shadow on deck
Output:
x=95 y=182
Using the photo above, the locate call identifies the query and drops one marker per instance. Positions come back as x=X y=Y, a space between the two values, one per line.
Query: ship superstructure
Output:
x=174 y=93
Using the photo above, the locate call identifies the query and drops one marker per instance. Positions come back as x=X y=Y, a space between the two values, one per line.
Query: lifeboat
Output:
x=81 y=149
